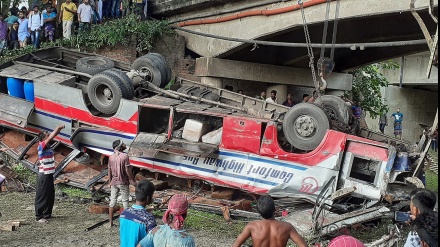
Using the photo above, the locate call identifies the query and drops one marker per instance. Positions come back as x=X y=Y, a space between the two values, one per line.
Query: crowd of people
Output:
x=30 y=27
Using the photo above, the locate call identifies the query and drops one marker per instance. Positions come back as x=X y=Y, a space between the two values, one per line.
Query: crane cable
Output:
x=309 y=50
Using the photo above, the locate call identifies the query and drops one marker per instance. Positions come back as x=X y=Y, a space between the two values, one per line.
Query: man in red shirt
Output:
x=120 y=176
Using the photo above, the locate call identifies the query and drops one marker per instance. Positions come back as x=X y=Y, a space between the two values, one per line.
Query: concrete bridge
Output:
x=360 y=21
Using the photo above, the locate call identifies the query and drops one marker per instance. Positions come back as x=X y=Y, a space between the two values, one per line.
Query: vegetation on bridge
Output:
x=124 y=31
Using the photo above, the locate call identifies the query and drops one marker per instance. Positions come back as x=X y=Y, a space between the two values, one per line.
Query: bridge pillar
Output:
x=281 y=92
x=212 y=81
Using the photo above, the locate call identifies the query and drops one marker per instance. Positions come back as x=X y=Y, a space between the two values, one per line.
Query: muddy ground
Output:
x=67 y=228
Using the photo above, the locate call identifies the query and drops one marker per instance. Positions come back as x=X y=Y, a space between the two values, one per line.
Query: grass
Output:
x=25 y=175
x=74 y=192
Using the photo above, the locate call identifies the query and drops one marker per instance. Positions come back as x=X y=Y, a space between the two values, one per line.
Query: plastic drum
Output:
x=402 y=162
x=15 y=87
x=29 y=90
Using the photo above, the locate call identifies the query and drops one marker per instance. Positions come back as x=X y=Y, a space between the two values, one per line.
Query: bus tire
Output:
x=148 y=69
x=105 y=92
x=336 y=108
x=93 y=65
x=305 y=126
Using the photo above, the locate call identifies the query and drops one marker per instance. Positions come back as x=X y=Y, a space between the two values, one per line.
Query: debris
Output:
x=225 y=194
x=245 y=205
x=17 y=223
x=213 y=137
x=341 y=193
x=194 y=130
x=159 y=184
x=8 y=228
x=8 y=172
x=226 y=215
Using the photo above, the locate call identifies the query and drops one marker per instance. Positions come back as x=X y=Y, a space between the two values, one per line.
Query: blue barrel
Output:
x=15 y=87
x=29 y=90
x=402 y=162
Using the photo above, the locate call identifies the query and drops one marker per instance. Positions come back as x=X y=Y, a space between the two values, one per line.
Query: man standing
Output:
x=273 y=97
x=35 y=25
x=84 y=15
x=383 y=121
x=45 y=196
x=13 y=36
x=269 y=231
x=136 y=221
x=49 y=18
x=262 y=96
x=172 y=233
x=306 y=98
x=398 y=118
x=120 y=177
x=3 y=34
x=67 y=11
x=289 y=101
x=23 y=31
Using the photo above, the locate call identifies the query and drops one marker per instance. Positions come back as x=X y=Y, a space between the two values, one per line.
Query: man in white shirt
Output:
x=273 y=97
x=35 y=25
x=84 y=15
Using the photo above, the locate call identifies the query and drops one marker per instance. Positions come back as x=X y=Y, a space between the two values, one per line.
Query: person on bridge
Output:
x=398 y=118
x=273 y=97
x=45 y=196
x=269 y=231
x=172 y=233
x=383 y=122
x=120 y=176
x=262 y=95
x=289 y=101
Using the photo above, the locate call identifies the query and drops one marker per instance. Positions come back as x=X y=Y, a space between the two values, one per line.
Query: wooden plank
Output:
x=422 y=157
x=8 y=228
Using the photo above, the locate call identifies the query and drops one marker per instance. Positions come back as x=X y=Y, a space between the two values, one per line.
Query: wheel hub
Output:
x=146 y=74
x=305 y=126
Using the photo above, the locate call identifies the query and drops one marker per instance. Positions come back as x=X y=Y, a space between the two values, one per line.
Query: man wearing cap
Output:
x=172 y=233
x=120 y=177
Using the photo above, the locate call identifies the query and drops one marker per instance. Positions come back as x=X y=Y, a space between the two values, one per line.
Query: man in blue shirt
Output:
x=398 y=118
x=136 y=221
x=49 y=18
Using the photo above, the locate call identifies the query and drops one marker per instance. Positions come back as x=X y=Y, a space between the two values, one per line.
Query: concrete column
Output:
x=281 y=91
x=212 y=81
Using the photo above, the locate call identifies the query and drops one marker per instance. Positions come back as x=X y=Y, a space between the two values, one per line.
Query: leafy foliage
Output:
x=367 y=82
x=124 y=31
x=120 y=31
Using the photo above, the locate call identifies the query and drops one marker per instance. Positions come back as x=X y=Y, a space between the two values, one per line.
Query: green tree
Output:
x=367 y=82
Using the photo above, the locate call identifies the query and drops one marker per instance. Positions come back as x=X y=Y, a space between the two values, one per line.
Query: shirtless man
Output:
x=269 y=232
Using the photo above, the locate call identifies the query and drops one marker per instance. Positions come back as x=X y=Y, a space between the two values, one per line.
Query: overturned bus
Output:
x=308 y=152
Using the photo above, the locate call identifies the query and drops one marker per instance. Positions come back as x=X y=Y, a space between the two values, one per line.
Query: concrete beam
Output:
x=171 y=7
x=256 y=27
x=221 y=68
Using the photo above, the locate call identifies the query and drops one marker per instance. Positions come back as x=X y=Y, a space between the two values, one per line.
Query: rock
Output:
x=225 y=194
x=194 y=130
